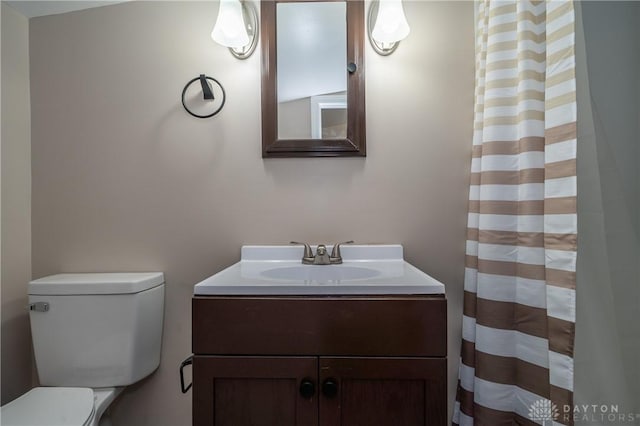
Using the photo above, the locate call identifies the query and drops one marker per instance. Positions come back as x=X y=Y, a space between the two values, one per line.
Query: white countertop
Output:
x=278 y=270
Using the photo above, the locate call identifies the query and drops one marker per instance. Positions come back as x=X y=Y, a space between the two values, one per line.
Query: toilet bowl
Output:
x=93 y=334
x=58 y=406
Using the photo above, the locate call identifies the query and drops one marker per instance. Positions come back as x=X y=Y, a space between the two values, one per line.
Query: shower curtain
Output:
x=519 y=290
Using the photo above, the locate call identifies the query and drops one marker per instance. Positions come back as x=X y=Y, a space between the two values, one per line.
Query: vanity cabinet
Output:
x=325 y=361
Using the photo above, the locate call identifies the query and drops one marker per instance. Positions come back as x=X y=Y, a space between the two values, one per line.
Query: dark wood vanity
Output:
x=326 y=361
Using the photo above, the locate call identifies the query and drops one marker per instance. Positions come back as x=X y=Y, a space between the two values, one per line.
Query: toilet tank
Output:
x=98 y=329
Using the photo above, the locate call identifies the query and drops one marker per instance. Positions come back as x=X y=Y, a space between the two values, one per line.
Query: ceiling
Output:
x=312 y=49
x=31 y=9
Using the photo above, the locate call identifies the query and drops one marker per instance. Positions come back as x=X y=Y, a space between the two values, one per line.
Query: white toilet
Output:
x=93 y=334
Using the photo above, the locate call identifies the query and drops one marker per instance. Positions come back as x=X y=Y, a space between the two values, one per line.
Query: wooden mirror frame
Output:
x=355 y=142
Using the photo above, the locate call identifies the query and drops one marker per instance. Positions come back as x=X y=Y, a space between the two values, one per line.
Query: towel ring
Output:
x=207 y=94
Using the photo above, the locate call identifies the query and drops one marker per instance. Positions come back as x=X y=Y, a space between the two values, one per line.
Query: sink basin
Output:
x=278 y=271
x=320 y=273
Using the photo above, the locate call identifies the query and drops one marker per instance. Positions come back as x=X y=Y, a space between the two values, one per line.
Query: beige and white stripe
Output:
x=519 y=305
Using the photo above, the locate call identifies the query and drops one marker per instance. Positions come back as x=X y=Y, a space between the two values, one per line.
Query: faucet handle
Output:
x=336 y=257
x=307 y=249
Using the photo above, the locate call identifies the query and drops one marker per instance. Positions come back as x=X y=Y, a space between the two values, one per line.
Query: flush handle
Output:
x=38 y=307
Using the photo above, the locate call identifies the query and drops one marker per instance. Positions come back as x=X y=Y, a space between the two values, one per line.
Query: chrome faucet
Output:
x=336 y=257
x=322 y=257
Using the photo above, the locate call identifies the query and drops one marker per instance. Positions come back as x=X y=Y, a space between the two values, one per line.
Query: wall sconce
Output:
x=236 y=27
x=389 y=26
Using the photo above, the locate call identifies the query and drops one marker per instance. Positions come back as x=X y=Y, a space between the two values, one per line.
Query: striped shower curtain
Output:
x=519 y=291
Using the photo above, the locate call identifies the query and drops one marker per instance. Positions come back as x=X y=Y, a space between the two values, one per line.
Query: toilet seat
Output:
x=50 y=406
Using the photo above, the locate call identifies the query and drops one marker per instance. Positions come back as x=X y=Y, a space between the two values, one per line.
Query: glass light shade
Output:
x=391 y=24
x=230 y=29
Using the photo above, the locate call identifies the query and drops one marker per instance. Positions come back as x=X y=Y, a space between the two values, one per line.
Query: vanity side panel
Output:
x=339 y=326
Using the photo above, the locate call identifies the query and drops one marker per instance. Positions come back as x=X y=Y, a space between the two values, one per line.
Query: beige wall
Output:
x=125 y=179
x=16 y=204
x=607 y=346
x=294 y=119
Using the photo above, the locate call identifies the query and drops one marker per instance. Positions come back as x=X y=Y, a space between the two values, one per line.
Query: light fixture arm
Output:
x=251 y=23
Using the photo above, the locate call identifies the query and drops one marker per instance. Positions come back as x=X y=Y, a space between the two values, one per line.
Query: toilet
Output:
x=93 y=335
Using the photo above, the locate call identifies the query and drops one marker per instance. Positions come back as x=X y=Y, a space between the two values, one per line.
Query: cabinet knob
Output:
x=307 y=388
x=330 y=387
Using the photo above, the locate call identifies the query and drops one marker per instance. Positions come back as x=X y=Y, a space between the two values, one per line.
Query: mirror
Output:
x=312 y=78
x=311 y=57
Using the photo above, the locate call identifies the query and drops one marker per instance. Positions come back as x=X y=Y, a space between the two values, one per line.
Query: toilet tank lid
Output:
x=96 y=283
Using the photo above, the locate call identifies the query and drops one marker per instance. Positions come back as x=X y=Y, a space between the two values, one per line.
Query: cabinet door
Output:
x=383 y=391
x=254 y=391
